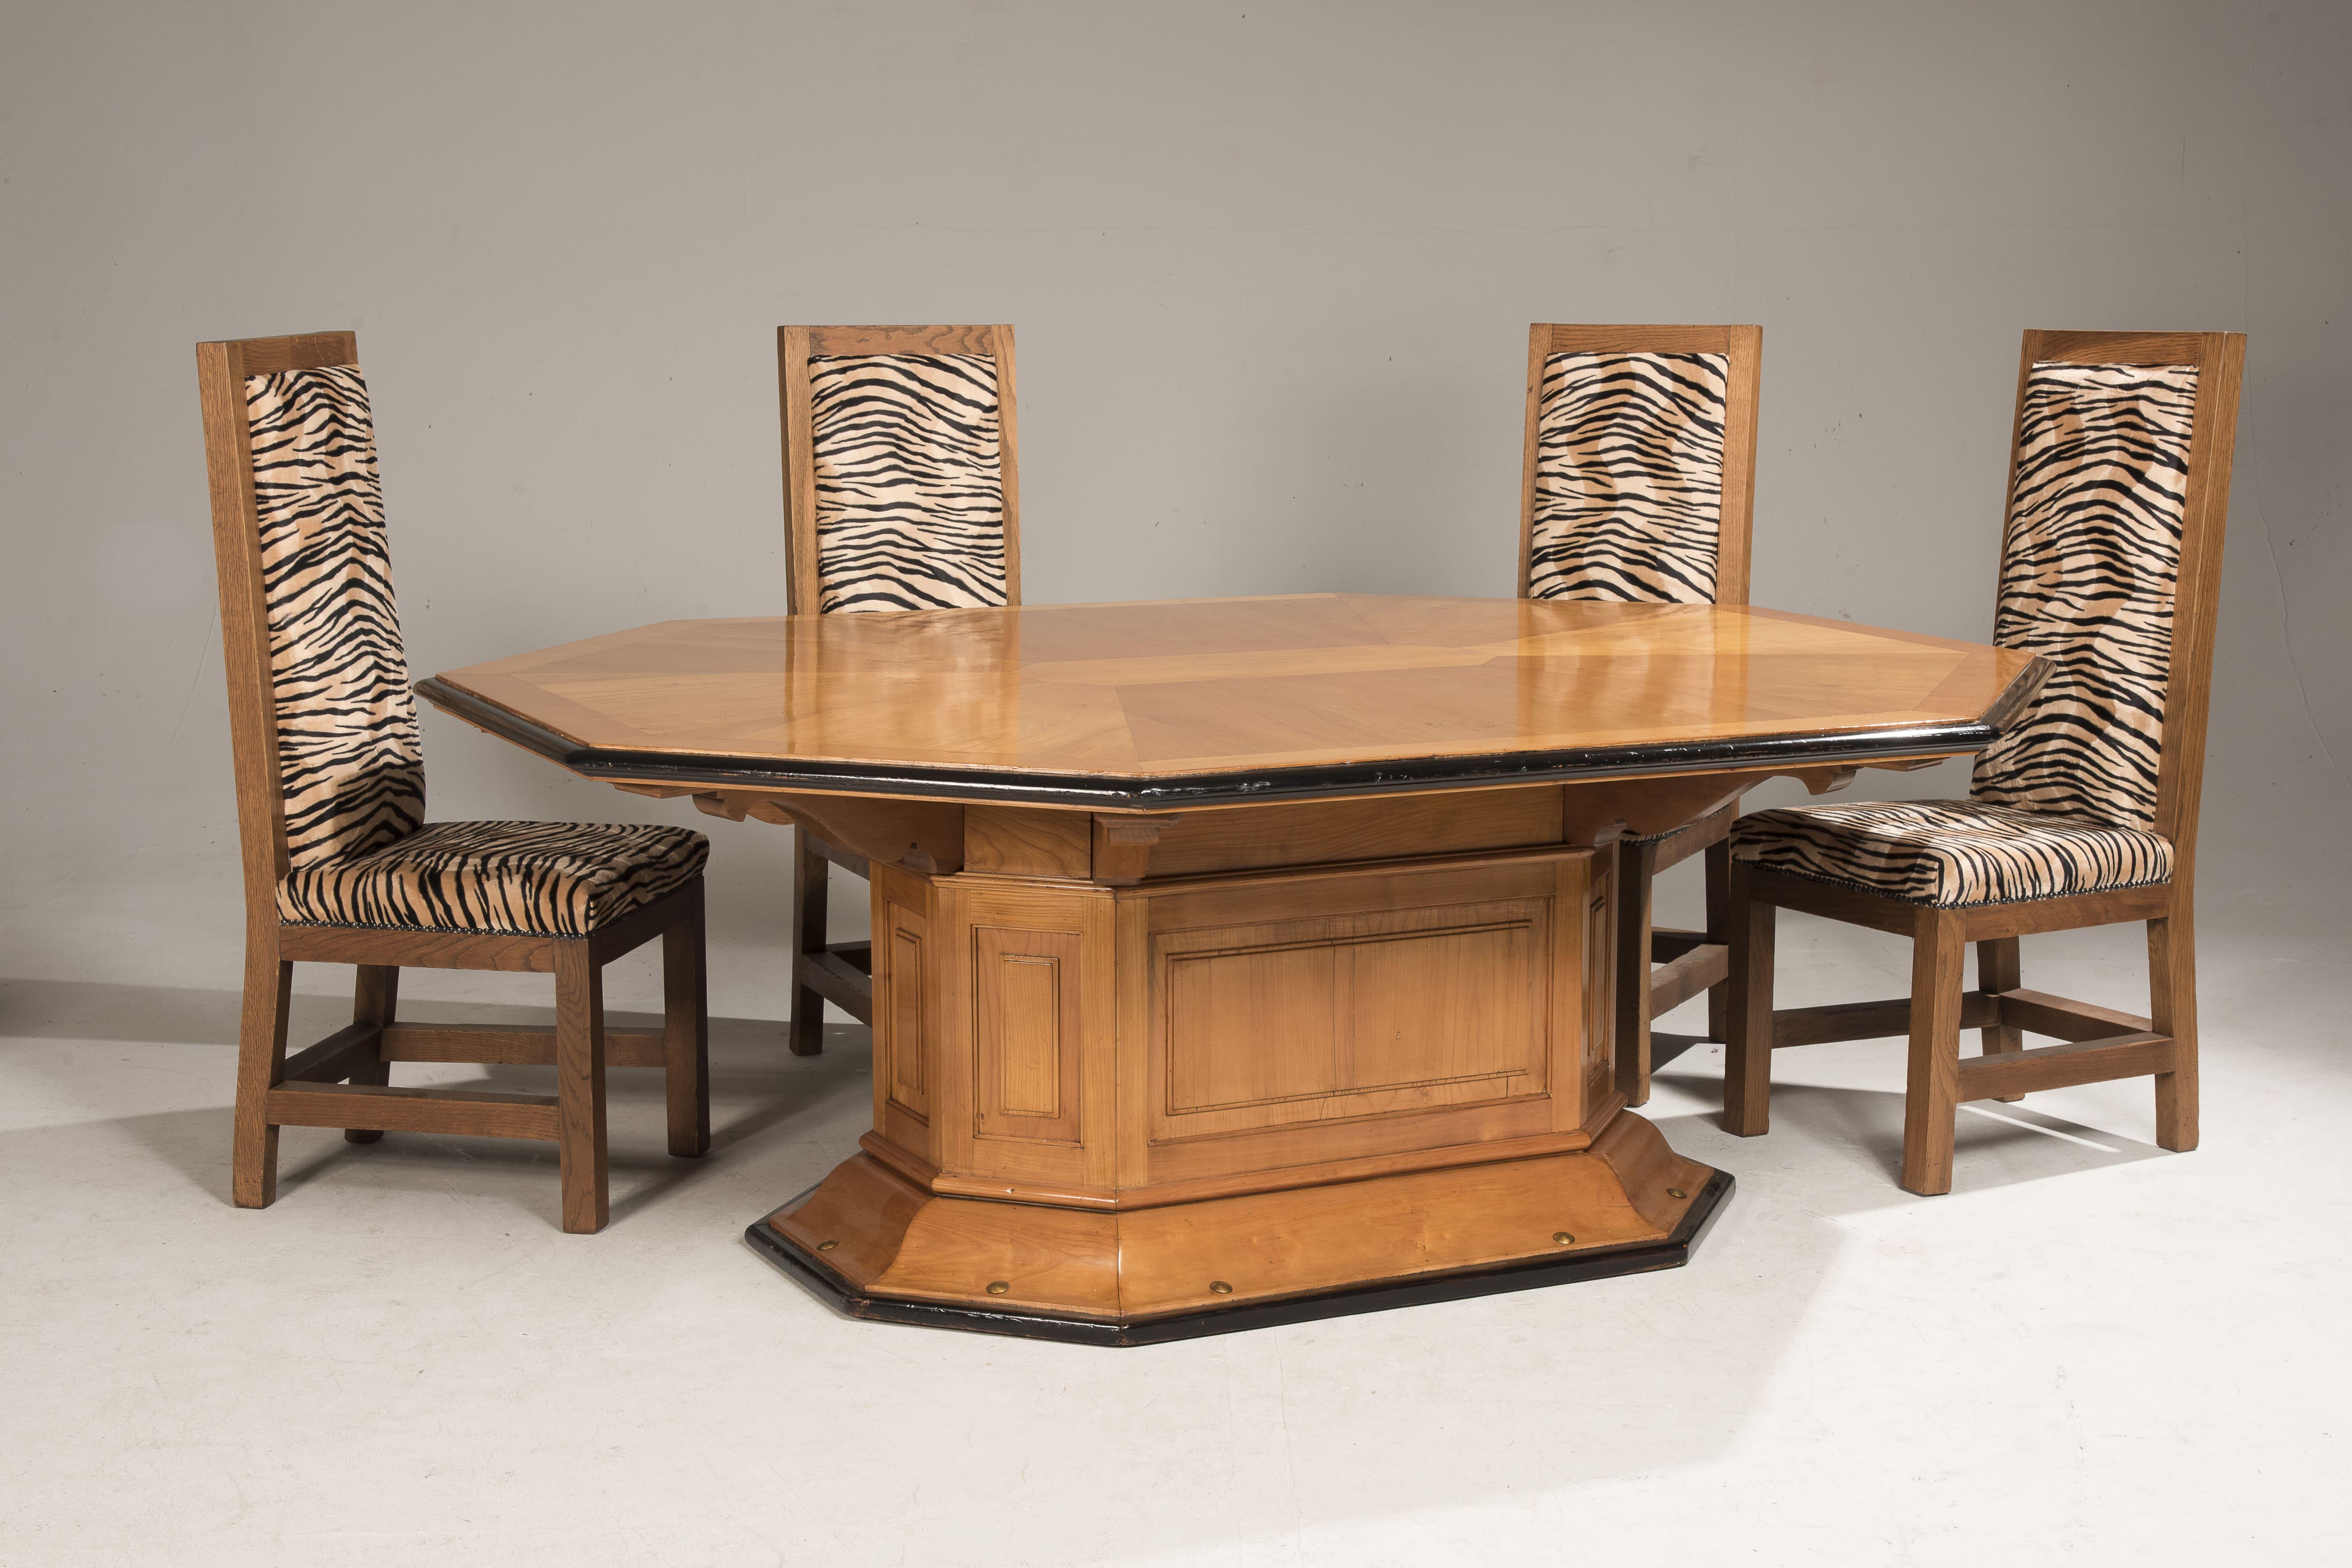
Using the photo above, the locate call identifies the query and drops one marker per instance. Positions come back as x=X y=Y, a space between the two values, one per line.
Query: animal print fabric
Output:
x=1951 y=854
x=908 y=455
x=1629 y=477
x=2090 y=562
x=350 y=762
x=517 y=879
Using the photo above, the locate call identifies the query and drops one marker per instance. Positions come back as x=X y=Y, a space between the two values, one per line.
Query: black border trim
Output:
x=1606 y=1263
x=1179 y=791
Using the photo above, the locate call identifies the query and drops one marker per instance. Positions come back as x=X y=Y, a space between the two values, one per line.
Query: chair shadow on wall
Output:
x=757 y=1089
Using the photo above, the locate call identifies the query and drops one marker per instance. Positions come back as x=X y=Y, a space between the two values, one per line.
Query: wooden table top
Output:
x=1206 y=701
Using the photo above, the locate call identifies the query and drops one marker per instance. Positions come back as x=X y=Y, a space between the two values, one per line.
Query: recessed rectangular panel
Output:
x=1439 y=1008
x=1252 y=1027
x=1029 y=1034
x=905 y=1001
x=1350 y=1015
x=1026 y=1034
x=1600 y=992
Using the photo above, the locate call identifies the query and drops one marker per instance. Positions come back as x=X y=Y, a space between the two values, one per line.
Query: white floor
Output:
x=2092 y=1351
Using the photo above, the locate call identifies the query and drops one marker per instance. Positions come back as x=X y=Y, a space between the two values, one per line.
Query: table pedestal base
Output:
x=876 y=1245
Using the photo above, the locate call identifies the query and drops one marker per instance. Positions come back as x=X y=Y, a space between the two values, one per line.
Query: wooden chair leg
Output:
x=1629 y=897
x=1718 y=932
x=685 y=1031
x=2172 y=1010
x=260 y=1061
x=1747 y=1043
x=1931 y=1099
x=580 y=1088
x=2001 y=968
x=806 y=1032
x=375 y=999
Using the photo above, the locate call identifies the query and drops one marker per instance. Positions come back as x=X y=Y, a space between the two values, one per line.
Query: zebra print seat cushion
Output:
x=513 y=878
x=1629 y=477
x=1951 y=854
x=908 y=455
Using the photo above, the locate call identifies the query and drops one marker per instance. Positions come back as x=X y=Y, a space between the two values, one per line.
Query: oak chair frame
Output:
x=1687 y=962
x=841 y=973
x=344 y=1080
x=2098 y=1044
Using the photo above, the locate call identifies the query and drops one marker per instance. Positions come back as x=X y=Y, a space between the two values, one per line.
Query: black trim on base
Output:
x=1602 y=1263
x=1172 y=791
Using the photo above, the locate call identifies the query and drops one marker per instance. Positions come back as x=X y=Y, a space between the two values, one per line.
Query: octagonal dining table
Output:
x=1237 y=962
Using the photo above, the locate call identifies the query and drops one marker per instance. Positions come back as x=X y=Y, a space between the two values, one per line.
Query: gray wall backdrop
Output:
x=1271 y=267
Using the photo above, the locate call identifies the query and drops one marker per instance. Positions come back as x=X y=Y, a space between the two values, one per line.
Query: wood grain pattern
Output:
x=1208 y=687
x=1747 y=1046
x=2014 y=1075
x=888 y=1236
x=457 y=1113
x=905 y=1011
x=1338 y=1014
x=1123 y=846
x=1999 y=969
x=686 y=1029
x=1931 y=1093
x=1027 y=841
x=1326 y=832
x=1026 y=983
x=375 y=1001
x=498 y=1044
x=1026 y=1005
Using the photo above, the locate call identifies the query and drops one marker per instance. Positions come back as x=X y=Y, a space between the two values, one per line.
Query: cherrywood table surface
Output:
x=1208 y=700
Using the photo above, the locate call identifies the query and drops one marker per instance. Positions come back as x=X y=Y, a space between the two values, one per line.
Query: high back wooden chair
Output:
x=2083 y=813
x=340 y=864
x=901 y=492
x=1637 y=487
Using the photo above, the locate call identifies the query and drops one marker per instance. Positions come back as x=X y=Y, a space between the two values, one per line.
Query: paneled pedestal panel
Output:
x=1141 y=1104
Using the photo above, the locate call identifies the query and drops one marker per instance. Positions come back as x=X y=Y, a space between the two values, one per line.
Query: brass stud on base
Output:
x=826 y=1245
x=1676 y=1192
x=1219 y=1287
x=1563 y=1237
x=998 y=1287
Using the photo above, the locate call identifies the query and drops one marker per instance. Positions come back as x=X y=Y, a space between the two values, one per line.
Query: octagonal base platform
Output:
x=874 y=1245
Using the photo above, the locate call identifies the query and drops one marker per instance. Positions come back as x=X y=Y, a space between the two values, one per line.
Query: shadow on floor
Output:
x=758 y=1090
x=1849 y=1141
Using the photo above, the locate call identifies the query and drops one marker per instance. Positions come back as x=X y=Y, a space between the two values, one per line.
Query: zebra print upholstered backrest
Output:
x=2111 y=554
x=2089 y=577
x=1641 y=448
x=350 y=763
x=899 y=468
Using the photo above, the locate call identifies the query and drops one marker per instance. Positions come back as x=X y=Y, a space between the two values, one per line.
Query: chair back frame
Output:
x=221 y=371
x=795 y=346
x=1743 y=346
x=2220 y=359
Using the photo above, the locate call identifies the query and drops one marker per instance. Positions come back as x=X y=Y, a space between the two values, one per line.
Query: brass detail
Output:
x=826 y=1245
x=1219 y=1287
x=998 y=1287
x=1563 y=1237
x=1676 y=1192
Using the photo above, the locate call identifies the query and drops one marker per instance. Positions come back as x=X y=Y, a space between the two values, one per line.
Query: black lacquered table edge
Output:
x=1098 y=792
